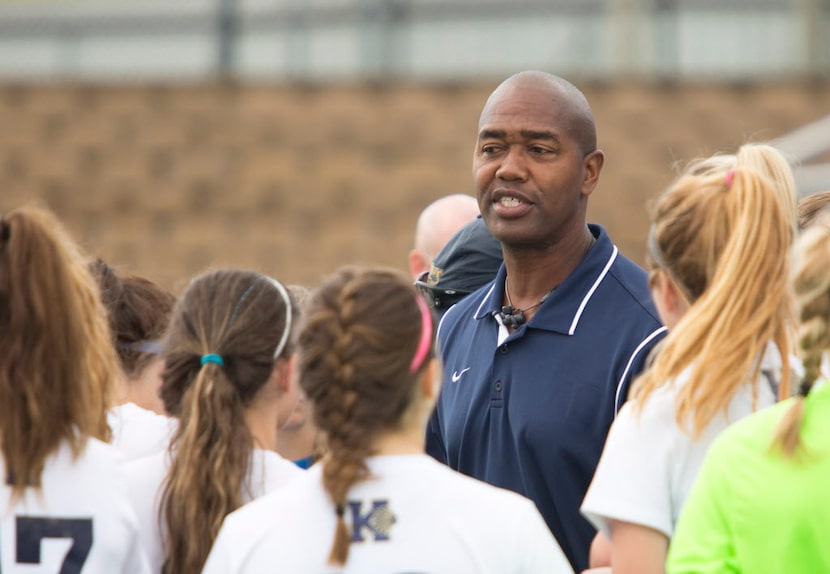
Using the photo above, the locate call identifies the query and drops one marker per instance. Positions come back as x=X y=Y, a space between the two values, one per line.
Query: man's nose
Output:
x=513 y=166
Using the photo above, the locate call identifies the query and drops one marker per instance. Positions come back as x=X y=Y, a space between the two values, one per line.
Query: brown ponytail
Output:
x=235 y=320
x=57 y=366
x=362 y=329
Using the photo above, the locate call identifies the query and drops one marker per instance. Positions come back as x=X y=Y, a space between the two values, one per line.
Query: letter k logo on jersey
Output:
x=378 y=521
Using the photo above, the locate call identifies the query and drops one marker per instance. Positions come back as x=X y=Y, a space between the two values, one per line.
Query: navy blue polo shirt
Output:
x=531 y=414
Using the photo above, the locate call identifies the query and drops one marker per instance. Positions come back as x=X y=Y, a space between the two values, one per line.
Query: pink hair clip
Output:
x=730 y=175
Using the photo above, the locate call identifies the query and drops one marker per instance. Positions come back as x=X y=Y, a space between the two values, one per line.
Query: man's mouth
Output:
x=510 y=201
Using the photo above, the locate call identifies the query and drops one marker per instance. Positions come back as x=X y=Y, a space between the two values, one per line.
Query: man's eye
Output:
x=489 y=149
x=538 y=149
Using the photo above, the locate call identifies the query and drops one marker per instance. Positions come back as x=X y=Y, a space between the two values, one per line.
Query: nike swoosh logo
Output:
x=456 y=375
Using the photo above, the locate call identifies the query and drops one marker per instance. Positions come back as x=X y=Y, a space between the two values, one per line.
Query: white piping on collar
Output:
x=636 y=352
x=591 y=290
x=484 y=300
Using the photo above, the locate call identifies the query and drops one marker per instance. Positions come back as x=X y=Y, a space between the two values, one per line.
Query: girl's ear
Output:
x=670 y=302
x=431 y=380
x=288 y=376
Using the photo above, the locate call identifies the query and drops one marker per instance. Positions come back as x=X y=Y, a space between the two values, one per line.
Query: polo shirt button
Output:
x=498 y=386
x=503 y=349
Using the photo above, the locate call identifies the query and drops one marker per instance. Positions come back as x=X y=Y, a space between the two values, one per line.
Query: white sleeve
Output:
x=539 y=550
x=135 y=562
x=220 y=561
x=144 y=478
x=632 y=482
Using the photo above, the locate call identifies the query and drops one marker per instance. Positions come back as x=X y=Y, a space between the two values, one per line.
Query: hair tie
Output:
x=212 y=358
x=426 y=336
x=804 y=388
x=340 y=509
x=730 y=175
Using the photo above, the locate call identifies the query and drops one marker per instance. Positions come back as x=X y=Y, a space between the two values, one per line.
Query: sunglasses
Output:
x=436 y=297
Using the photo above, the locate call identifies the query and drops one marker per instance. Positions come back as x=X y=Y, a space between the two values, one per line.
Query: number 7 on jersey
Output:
x=31 y=530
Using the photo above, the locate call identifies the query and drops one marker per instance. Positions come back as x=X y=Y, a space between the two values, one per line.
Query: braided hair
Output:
x=363 y=349
x=811 y=284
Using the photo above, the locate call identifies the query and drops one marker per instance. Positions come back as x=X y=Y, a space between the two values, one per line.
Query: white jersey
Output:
x=414 y=515
x=648 y=465
x=138 y=432
x=79 y=522
x=269 y=471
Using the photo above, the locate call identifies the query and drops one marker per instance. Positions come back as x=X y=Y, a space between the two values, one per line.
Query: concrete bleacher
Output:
x=296 y=180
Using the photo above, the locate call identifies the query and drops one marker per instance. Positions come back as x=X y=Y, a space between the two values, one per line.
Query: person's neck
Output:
x=409 y=437
x=534 y=272
x=398 y=442
x=262 y=422
x=296 y=443
x=121 y=393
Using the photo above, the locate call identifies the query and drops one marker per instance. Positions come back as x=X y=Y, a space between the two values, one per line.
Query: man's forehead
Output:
x=529 y=108
x=539 y=124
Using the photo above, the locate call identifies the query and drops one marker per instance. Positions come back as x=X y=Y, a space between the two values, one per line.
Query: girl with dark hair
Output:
x=376 y=502
x=61 y=487
x=298 y=437
x=138 y=312
x=228 y=380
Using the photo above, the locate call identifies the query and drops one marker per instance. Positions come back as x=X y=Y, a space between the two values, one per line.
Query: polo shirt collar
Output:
x=563 y=309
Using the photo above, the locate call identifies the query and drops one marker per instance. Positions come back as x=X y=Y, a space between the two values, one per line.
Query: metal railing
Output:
x=424 y=39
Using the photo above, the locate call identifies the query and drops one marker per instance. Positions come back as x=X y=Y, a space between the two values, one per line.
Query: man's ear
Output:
x=593 y=163
x=417 y=263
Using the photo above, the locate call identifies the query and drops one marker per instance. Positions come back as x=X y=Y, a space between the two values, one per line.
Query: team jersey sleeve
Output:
x=220 y=559
x=703 y=541
x=632 y=482
x=135 y=562
x=539 y=550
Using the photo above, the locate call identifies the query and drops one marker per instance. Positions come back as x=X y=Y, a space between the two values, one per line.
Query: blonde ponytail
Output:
x=721 y=237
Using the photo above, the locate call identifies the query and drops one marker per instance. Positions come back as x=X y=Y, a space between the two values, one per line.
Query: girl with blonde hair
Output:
x=227 y=379
x=763 y=159
x=717 y=245
x=760 y=503
x=63 y=498
x=376 y=502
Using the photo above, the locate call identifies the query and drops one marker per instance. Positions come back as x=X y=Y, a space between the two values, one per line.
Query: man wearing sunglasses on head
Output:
x=469 y=260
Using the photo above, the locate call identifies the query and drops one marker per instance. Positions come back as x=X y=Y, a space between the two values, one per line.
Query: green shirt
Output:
x=753 y=510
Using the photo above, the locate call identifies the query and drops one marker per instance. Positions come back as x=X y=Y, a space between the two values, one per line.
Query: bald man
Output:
x=437 y=223
x=537 y=362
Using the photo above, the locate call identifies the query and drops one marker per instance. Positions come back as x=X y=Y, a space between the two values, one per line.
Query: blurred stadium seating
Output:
x=296 y=136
